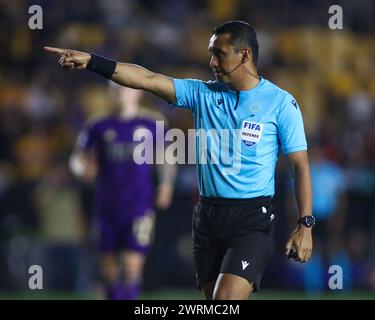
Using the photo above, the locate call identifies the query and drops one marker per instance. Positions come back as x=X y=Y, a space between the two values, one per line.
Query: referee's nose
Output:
x=213 y=63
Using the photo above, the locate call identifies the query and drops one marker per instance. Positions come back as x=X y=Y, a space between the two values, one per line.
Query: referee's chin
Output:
x=220 y=78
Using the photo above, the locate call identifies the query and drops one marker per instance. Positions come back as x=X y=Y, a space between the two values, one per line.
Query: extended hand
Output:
x=71 y=59
x=301 y=241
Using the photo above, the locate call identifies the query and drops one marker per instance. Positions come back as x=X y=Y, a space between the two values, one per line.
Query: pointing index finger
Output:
x=59 y=51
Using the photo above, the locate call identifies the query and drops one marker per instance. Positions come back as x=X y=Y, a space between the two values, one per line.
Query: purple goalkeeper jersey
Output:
x=124 y=189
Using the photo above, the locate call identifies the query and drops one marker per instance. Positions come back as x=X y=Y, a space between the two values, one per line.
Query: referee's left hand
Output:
x=301 y=240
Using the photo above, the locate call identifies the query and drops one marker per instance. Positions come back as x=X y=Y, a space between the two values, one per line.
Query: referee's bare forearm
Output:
x=300 y=170
x=138 y=77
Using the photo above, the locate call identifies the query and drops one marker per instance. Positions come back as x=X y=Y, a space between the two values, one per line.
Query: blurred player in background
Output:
x=124 y=195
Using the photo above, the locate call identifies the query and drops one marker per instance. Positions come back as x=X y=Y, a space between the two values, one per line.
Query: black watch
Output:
x=308 y=221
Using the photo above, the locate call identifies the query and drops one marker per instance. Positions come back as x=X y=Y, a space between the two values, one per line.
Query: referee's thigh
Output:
x=232 y=287
x=208 y=289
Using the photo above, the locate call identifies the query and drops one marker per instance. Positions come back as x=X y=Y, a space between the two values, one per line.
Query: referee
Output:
x=233 y=222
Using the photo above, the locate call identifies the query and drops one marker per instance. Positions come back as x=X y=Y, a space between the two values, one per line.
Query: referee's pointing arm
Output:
x=126 y=74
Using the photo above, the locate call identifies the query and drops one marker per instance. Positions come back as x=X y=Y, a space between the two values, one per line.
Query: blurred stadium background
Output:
x=45 y=215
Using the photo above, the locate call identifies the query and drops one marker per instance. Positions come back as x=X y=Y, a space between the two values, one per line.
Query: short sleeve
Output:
x=291 y=131
x=87 y=137
x=187 y=93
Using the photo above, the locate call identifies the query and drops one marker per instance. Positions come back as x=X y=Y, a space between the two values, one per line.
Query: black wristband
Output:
x=103 y=66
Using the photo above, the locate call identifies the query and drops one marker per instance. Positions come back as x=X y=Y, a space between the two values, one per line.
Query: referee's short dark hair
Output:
x=242 y=35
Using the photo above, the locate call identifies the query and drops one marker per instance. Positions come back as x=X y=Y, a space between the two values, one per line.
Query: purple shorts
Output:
x=135 y=233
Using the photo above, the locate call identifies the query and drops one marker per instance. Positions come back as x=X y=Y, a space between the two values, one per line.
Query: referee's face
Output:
x=225 y=60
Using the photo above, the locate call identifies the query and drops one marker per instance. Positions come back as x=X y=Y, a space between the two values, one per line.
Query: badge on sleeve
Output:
x=251 y=132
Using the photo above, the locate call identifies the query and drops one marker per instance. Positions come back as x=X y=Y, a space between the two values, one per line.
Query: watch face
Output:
x=310 y=221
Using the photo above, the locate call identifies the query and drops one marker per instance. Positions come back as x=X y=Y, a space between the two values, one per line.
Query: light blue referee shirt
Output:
x=239 y=134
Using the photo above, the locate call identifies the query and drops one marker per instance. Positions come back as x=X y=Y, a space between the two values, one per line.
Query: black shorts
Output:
x=232 y=236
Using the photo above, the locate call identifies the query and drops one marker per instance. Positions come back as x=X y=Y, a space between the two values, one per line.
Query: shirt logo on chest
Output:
x=109 y=135
x=251 y=132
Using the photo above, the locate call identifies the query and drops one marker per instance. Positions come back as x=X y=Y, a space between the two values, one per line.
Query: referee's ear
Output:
x=246 y=55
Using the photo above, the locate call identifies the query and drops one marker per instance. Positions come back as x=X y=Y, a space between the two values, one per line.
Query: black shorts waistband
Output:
x=231 y=201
